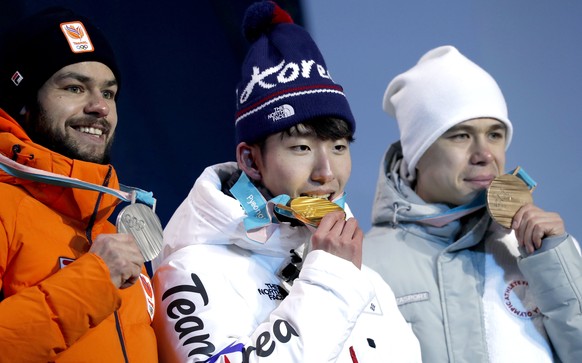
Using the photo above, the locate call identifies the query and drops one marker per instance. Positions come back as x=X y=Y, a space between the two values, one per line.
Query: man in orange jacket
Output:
x=71 y=288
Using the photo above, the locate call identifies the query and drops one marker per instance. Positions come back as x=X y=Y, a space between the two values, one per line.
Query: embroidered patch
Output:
x=374 y=307
x=17 y=78
x=64 y=261
x=148 y=291
x=273 y=291
x=412 y=298
x=517 y=300
x=77 y=36
x=281 y=112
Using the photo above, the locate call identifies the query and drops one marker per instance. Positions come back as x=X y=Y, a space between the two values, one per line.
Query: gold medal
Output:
x=310 y=210
x=506 y=194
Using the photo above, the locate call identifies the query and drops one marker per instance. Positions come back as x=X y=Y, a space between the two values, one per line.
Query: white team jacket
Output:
x=220 y=299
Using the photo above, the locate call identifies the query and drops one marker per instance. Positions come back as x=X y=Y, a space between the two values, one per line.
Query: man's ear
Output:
x=246 y=157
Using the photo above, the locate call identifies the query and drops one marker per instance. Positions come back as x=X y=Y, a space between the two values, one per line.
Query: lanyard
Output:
x=259 y=212
x=480 y=201
x=127 y=194
x=260 y=217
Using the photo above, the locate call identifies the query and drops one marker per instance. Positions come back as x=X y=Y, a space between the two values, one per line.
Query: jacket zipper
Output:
x=88 y=234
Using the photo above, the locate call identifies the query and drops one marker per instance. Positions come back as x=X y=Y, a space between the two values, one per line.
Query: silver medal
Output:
x=142 y=222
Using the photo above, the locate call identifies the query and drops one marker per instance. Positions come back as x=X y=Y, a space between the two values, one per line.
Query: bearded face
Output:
x=76 y=113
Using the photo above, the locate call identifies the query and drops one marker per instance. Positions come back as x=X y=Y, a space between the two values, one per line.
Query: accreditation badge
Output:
x=506 y=195
x=142 y=222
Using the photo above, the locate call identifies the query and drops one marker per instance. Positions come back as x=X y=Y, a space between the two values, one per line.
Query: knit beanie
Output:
x=284 y=77
x=442 y=90
x=38 y=46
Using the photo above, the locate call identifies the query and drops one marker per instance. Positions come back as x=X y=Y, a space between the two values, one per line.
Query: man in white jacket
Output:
x=248 y=273
x=473 y=287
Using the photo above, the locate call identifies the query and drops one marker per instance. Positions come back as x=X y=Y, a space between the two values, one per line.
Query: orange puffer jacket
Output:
x=58 y=303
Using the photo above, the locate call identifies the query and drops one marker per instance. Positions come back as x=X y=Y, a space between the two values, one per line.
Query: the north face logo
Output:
x=273 y=291
x=281 y=112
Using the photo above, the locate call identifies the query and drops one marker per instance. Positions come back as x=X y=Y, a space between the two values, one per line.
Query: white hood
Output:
x=208 y=216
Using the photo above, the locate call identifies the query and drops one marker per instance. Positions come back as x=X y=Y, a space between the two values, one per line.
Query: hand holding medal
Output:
x=136 y=219
x=310 y=211
x=507 y=194
x=510 y=204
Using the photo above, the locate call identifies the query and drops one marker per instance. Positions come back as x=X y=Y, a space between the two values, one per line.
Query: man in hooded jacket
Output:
x=474 y=288
x=241 y=278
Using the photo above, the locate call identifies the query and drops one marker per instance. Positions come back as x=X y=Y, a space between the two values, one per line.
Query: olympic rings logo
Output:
x=133 y=223
x=82 y=47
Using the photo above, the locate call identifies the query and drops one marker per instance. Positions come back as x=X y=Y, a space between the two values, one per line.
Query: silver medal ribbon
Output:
x=137 y=219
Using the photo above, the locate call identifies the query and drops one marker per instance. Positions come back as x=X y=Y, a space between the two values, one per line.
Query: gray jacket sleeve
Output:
x=555 y=279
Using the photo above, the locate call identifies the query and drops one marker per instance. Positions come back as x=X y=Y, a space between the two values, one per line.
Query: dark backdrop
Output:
x=180 y=63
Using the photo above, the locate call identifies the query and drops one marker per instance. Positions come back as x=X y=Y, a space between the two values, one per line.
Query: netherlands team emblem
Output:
x=77 y=36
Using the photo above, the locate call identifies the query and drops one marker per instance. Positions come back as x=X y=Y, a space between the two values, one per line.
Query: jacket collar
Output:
x=76 y=203
x=211 y=217
x=396 y=203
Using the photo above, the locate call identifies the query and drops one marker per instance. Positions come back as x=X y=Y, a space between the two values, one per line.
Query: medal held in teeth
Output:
x=506 y=195
x=309 y=210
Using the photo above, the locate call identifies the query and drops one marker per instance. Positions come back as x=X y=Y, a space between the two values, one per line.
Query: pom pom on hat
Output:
x=261 y=17
x=38 y=46
x=285 y=80
x=442 y=90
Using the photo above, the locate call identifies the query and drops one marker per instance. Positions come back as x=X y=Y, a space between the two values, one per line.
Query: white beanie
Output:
x=442 y=90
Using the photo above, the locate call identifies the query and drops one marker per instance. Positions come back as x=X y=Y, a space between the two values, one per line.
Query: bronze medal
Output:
x=506 y=194
x=310 y=210
x=142 y=222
